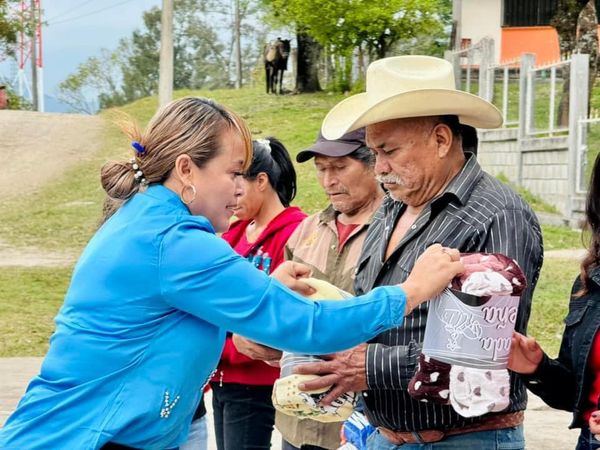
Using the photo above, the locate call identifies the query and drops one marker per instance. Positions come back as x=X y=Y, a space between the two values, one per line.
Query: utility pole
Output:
x=29 y=45
x=238 y=45
x=165 y=78
x=34 y=72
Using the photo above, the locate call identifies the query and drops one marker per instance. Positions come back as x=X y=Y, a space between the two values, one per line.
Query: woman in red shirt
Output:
x=243 y=412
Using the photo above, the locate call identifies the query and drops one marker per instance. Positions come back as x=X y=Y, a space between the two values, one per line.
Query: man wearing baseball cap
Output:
x=330 y=242
x=421 y=128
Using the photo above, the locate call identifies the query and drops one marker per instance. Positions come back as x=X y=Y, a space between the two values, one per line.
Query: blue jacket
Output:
x=564 y=382
x=144 y=322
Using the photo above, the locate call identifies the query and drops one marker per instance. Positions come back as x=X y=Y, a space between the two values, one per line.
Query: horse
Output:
x=276 y=55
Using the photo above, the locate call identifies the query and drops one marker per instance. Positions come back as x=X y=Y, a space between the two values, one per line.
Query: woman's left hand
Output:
x=291 y=273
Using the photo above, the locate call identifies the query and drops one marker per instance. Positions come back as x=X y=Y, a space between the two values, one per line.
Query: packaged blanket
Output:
x=468 y=336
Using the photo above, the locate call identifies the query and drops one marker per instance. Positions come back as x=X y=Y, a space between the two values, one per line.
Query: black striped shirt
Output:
x=476 y=213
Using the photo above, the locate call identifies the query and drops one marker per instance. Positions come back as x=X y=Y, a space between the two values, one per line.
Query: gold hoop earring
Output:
x=182 y=196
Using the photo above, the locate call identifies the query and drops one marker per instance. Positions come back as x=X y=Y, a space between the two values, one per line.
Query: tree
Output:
x=202 y=60
x=345 y=25
x=576 y=24
x=99 y=75
x=9 y=28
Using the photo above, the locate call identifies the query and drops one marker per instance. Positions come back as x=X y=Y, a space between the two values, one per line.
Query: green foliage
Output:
x=346 y=24
x=9 y=27
x=131 y=71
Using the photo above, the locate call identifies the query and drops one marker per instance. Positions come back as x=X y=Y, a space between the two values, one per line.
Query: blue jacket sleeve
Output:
x=201 y=275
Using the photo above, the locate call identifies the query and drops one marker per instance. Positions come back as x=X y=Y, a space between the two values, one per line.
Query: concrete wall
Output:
x=479 y=19
x=544 y=164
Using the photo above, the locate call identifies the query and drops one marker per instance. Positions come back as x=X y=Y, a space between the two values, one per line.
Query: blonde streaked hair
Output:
x=192 y=125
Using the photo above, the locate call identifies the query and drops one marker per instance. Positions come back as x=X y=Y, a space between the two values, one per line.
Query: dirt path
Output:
x=36 y=148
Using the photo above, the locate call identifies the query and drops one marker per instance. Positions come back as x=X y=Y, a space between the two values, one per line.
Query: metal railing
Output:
x=504 y=70
x=534 y=76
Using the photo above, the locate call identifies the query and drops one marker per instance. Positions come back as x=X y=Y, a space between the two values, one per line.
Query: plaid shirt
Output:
x=476 y=213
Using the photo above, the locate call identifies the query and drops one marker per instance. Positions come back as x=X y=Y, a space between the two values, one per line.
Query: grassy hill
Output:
x=64 y=214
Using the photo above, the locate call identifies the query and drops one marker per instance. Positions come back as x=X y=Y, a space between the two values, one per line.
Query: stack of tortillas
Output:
x=289 y=399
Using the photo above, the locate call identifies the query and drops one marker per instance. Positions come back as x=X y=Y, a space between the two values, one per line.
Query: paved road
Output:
x=545 y=428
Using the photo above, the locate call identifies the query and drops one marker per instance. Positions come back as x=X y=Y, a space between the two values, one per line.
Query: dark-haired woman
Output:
x=243 y=411
x=572 y=381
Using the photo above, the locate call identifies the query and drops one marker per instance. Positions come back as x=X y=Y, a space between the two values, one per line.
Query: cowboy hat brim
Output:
x=356 y=112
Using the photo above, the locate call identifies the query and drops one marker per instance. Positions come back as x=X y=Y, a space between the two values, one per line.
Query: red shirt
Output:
x=233 y=366
x=344 y=231
x=594 y=371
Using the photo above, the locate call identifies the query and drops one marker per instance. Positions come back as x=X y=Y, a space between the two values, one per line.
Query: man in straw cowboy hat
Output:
x=436 y=192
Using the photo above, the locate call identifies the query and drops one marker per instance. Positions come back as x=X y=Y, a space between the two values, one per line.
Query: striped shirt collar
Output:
x=459 y=188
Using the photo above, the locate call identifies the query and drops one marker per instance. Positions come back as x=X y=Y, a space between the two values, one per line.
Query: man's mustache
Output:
x=389 y=179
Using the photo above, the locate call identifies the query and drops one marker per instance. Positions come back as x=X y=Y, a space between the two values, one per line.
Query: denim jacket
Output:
x=564 y=382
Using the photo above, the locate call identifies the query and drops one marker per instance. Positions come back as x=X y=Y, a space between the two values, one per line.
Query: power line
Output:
x=89 y=13
x=57 y=16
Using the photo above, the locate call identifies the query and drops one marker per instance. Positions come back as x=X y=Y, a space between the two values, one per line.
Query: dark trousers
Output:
x=287 y=446
x=244 y=416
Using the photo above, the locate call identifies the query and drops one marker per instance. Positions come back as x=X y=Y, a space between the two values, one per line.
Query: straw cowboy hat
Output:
x=409 y=86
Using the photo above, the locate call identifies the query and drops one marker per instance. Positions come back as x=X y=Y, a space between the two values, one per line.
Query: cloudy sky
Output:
x=78 y=29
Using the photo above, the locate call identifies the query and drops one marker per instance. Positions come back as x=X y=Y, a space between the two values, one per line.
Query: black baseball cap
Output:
x=343 y=146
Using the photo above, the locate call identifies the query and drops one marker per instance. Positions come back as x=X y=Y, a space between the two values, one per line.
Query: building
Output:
x=517 y=26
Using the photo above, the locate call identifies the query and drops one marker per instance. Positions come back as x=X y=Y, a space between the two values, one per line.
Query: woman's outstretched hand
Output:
x=525 y=354
x=291 y=273
x=432 y=272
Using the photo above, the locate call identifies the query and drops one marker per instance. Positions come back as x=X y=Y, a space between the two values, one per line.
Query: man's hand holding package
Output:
x=343 y=372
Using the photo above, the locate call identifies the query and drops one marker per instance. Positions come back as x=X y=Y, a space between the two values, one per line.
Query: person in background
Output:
x=572 y=381
x=242 y=406
x=329 y=242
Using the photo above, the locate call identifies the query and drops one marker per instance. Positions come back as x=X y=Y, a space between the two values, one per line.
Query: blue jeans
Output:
x=505 y=439
x=198 y=436
x=244 y=416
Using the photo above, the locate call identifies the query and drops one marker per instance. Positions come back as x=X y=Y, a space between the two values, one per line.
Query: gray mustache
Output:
x=389 y=179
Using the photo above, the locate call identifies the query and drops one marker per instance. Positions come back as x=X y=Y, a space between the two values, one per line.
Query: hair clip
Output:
x=138 y=175
x=139 y=148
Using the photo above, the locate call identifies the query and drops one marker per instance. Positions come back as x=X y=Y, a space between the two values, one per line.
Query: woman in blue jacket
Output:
x=572 y=381
x=155 y=290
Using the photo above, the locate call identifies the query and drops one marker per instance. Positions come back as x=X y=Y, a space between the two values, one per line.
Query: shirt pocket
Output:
x=576 y=314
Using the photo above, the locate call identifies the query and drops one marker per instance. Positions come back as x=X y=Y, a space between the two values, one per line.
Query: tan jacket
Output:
x=315 y=243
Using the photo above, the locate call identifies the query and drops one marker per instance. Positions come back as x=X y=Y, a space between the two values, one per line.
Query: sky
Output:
x=78 y=29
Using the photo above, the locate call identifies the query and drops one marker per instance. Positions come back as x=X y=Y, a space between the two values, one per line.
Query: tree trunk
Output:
x=565 y=21
x=309 y=50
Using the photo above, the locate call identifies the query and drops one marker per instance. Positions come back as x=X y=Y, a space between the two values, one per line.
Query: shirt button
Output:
x=333 y=247
x=413 y=227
